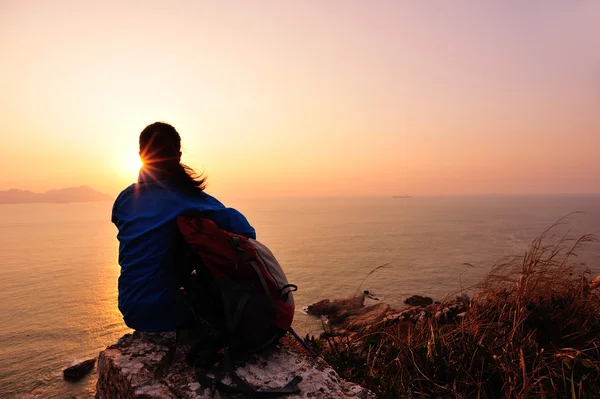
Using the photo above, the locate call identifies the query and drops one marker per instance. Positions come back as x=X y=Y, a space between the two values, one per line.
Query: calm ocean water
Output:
x=58 y=279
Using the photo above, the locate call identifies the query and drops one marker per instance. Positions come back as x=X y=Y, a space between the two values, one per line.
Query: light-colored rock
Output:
x=152 y=366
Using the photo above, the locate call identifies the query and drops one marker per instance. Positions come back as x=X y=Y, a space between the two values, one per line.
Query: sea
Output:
x=59 y=265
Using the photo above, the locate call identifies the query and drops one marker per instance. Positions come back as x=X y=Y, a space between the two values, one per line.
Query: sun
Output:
x=134 y=164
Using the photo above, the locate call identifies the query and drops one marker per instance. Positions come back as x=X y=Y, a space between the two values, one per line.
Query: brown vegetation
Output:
x=531 y=329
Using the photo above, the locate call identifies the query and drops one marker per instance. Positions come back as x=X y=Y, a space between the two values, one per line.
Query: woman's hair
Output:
x=160 y=150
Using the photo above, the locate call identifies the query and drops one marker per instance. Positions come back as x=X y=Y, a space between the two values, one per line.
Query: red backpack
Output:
x=240 y=290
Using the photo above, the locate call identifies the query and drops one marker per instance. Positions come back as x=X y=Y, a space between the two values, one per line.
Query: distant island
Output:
x=58 y=196
x=401 y=196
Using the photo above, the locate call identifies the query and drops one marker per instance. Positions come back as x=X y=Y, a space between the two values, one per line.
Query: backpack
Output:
x=237 y=291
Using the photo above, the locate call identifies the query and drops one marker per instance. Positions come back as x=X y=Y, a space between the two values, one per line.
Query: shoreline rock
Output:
x=78 y=371
x=338 y=309
x=418 y=300
x=350 y=315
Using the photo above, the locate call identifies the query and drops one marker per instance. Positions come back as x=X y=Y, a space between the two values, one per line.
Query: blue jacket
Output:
x=145 y=215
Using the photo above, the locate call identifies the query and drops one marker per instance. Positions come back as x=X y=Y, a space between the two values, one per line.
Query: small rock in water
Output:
x=370 y=295
x=79 y=370
x=418 y=300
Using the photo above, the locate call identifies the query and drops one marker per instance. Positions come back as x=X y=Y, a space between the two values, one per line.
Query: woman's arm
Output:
x=231 y=220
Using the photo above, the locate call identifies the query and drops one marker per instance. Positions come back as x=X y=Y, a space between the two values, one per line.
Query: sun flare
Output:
x=134 y=164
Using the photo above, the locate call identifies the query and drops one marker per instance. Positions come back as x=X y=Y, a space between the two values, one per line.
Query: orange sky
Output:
x=306 y=98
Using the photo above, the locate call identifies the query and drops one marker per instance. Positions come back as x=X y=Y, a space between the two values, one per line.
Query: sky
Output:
x=306 y=98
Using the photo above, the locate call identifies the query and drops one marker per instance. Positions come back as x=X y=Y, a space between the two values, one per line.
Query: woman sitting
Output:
x=145 y=215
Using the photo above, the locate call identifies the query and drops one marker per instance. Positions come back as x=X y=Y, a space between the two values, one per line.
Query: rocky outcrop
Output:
x=338 y=309
x=344 y=317
x=366 y=316
x=446 y=312
x=153 y=366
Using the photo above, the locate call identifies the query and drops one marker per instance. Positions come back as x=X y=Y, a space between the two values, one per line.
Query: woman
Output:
x=145 y=215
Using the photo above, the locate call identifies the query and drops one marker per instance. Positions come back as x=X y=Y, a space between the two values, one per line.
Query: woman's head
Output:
x=160 y=151
x=160 y=143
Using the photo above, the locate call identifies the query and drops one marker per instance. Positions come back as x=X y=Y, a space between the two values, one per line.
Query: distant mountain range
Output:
x=62 y=195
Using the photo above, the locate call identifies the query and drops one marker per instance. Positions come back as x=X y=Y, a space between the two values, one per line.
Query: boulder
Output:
x=153 y=366
x=418 y=300
x=349 y=314
x=79 y=370
x=338 y=309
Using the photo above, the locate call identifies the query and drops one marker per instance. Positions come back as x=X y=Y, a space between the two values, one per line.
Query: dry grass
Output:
x=532 y=330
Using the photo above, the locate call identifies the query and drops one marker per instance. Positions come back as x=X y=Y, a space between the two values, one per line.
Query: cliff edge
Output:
x=153 y=366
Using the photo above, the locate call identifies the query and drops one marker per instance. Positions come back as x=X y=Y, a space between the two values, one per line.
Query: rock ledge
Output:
x=152 y=366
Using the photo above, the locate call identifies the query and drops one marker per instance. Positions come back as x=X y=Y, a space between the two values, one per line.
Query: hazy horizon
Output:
x=307 y=98
x=333 y=196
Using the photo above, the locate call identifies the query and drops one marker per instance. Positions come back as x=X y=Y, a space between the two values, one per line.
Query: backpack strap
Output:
x=241 y=386
x=232 y=320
